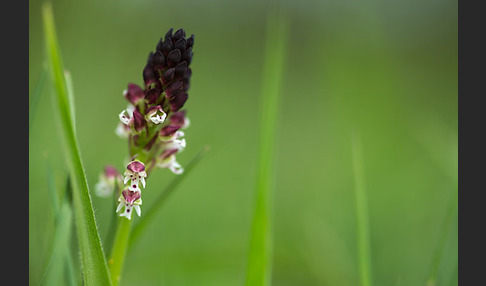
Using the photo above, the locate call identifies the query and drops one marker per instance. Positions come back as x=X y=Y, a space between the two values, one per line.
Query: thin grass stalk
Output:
x=362 y=215
x=259 y=268
x=34 y=100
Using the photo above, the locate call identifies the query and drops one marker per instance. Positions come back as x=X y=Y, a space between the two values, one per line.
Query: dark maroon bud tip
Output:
x=180 y=44
x=177 y=102
x=173 y=89
x=173 y=57
x=168 y=76
x=138 y=121
x=134 y=93
x=169 y=130
x=180 y=70
x=169 y=34
x=187 y=56
x=178 y=118
x=179 y=34
x=190 y=41
x=159 y=45
x=167 y=46
x=149 y=76
x=152 y=95
x=149 y=58
x=158 y=60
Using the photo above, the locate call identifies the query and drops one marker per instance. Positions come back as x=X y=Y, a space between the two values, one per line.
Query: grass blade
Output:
x=446 y=227
x=95 y=270
x=159 y=202
x=260 y=250
x=60 y=245
x=363 y=228
x=34 y=100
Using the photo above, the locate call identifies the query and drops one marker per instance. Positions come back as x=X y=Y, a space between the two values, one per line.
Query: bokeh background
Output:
x=385 y=70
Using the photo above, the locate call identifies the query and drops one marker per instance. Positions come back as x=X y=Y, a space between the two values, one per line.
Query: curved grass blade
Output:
x=260 y=250
x=363 y=227
x=159 y=202
x=95 y=270
x=34 y=100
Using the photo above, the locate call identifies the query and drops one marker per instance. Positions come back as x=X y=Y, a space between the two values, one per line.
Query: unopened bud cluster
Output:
x=153 y=121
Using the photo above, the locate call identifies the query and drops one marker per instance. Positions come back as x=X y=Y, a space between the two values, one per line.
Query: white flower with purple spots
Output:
x=126 y=116
x=156 y=114
x=131 y=200
x=168 y=160
x=135 y=173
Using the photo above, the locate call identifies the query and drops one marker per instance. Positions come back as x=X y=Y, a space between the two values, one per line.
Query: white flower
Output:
x=107 y=182
x=131 y=200
x=136 y=173
x=122 y=130
x=127 y=114
x=168 y=160
x=156 y=114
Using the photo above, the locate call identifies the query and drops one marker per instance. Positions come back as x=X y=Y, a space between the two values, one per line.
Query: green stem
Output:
x=119 y=250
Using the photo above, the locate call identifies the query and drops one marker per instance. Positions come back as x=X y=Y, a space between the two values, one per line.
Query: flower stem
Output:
x=119 y=250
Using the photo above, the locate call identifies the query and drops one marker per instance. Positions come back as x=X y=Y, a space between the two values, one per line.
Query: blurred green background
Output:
x=385 y=70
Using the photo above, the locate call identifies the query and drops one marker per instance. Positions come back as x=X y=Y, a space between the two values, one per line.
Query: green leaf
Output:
x=260 y=251
x=361 y=206
x=95 y=270
x=149 y=215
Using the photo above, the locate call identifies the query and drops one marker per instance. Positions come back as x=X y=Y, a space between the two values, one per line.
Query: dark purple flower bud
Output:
x=177 y=102
x=168 y=76
x=179 y=118
x=152 y=95
x=138 y=121
x=180 y=44
x=190 y=41
x=169 y=34
x=158 y=60
x=173 y=57
x=179 y=34
x=149 y=75
x=173 y=89
x=187 y=56
x=169 y=130
x=167 y=46
x=133 y=93
x=180 y=70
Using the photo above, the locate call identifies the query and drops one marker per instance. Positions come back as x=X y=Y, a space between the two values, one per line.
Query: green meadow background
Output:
x=382 y=71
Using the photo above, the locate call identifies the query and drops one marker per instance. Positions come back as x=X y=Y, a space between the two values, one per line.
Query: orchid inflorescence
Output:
x=153 y=121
